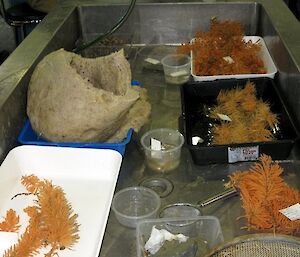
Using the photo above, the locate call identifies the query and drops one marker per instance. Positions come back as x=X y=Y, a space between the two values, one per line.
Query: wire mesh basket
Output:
x=259 y=245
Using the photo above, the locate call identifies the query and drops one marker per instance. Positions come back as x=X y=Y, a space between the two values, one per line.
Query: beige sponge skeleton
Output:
x=77 y=99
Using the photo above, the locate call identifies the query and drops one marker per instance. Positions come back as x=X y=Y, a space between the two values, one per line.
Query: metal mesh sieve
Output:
x=260 y=245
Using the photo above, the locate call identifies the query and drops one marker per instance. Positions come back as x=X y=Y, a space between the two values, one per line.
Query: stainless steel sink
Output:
x=150 y=23
x=155 y=27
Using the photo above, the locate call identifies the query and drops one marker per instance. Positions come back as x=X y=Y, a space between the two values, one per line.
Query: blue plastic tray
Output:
x=29 y=137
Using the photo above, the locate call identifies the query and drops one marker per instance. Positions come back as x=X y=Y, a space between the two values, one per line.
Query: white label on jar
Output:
x=156 y=147
x=292 y=212
x=238 y=154
x=155 y=144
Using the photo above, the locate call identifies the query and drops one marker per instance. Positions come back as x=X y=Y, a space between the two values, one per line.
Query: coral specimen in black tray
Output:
x=243 y=118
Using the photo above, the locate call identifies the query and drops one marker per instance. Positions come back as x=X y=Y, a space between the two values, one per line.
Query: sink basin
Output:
x=150 y=26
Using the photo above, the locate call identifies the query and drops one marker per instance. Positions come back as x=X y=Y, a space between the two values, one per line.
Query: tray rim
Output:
x=197 y=149
x=92 y=154
x=272 y=69
x=27 y=128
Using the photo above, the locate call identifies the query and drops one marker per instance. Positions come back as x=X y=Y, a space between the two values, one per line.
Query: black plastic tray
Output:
x=195 y=96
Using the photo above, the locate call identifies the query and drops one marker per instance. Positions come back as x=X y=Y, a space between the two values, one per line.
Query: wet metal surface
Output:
x=192 y=184
x=150 y=23
x=153 y=30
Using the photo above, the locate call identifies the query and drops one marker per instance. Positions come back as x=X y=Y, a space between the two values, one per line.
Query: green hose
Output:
x=109 y=32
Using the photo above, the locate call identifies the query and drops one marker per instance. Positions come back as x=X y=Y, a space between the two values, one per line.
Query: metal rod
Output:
x=224 y=195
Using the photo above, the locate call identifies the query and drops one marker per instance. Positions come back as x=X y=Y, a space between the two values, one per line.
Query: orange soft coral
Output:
x=59 y=221
x=11 y=222
x=263 y=193
x=251 y=118
x=52 y=222
x=224 y=39
x=30 y=241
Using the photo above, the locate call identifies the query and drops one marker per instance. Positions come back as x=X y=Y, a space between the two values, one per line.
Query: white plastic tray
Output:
x=265 y=55
x=87 y=176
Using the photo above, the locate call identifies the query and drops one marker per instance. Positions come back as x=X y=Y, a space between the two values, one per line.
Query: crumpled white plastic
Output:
x=159 y=236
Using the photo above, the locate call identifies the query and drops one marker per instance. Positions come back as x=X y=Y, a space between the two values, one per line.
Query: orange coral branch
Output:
x=11 y=222
x=264 y=193
x=30 y=242
x=32 y=183
x=222 y=40
x=252 y=119
x=51 y=221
